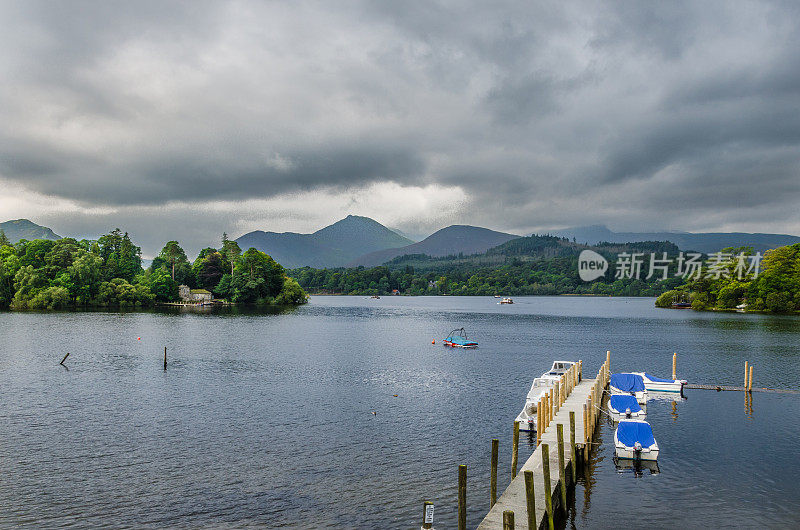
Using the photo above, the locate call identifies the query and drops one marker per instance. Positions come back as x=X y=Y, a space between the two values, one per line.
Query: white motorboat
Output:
x=657 y=384
x=634 y=440
x=628 y=384
x=527 y=418
x=622 y=406
x=541 y=385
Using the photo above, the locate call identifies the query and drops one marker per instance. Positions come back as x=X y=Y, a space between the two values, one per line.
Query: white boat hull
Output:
x=641 y=397
x=629 y=453
x=621 y=415
x=675 y=386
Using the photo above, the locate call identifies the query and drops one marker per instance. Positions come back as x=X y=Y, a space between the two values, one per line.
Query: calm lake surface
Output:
x=267 y=419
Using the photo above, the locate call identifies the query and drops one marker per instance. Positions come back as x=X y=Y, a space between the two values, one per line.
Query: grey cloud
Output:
x=540 y=108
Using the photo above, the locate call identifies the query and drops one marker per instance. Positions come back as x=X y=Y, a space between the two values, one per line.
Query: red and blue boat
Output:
x=458 y=339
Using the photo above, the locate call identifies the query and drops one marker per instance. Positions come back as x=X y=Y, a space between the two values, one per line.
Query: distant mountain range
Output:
x=333 y=246
x=25 y=229
x=453 y=240
x=706 y=242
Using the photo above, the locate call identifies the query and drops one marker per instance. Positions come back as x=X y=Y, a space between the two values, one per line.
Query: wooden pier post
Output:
x=530 y=497
x=562 y=472
x=548 y=500
x=674 y=366
x=508 y=520
x=573 y=452
x=585 y=434
x=539 y=410
x=493 y=477
x=515 y=451
x=64 y=359
x=745 y=374
x=608 y=360
x=427 y=515
x=580 y=370
x=165 y=358
x=750 y=380
x=462 y=497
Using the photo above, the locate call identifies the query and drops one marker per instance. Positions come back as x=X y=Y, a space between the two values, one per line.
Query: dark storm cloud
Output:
x=546 y=108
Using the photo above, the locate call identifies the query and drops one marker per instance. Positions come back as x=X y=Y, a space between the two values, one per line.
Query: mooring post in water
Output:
x=493 y=476
x=674 y=366
x=608 y=360
x=548 y=500
x=745 y=374
x=750 y=380
x=530 y=497
x=462 y=497
x=427 y=515
x=562 y=471
x=165 y=357
x=573 y=451
x=508 y=520
x=515 y=451
x=64 y=359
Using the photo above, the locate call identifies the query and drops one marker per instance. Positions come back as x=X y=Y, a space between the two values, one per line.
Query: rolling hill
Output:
x=453 y=240
x=25 y=229
x=702 y=241
x=332 y=246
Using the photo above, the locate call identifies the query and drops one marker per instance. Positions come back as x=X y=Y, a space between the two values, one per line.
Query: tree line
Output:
x=775 y=289
x=46 y=274
x=513 y=277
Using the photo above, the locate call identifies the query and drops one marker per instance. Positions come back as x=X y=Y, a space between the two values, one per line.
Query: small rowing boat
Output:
x=622 y=406
x=634 y=440
x=458 y=339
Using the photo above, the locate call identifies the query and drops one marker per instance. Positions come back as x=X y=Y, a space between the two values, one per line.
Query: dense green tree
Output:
x=230 y=250
x=3 y=239
x=173 y=255
x=256 y=277
x=121 y=258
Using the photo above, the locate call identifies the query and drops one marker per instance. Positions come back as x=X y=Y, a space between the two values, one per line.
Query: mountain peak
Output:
x=332 y=246
x=26 y=229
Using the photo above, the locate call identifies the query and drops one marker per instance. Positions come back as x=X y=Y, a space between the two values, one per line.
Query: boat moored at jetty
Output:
x=622 y=406
x=541 y=385
x=657 y=384
x=458 y=339
x=629 y=384
x=634 y=440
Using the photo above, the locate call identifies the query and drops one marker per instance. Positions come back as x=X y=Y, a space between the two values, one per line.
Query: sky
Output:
x=183 y=120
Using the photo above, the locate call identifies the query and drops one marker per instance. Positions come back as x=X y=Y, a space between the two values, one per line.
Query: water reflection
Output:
x=748 y=405
x=638 y=468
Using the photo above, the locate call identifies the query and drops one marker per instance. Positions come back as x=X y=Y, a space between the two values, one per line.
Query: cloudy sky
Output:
x=181 y=120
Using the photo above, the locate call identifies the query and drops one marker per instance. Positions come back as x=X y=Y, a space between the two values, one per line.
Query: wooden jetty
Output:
x=567 y=422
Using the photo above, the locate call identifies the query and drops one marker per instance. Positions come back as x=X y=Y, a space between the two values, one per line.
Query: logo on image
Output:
x=591 y=265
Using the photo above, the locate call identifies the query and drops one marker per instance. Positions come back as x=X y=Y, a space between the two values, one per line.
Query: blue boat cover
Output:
x=621 y=402
x=630 y=432
x=658 y=379
x=460 y=340
x=627 y=382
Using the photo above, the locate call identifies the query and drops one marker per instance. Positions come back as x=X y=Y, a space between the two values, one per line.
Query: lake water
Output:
x=289 y=419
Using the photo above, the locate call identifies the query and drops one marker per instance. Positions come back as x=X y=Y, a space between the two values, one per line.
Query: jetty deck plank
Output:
x=513 y=498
